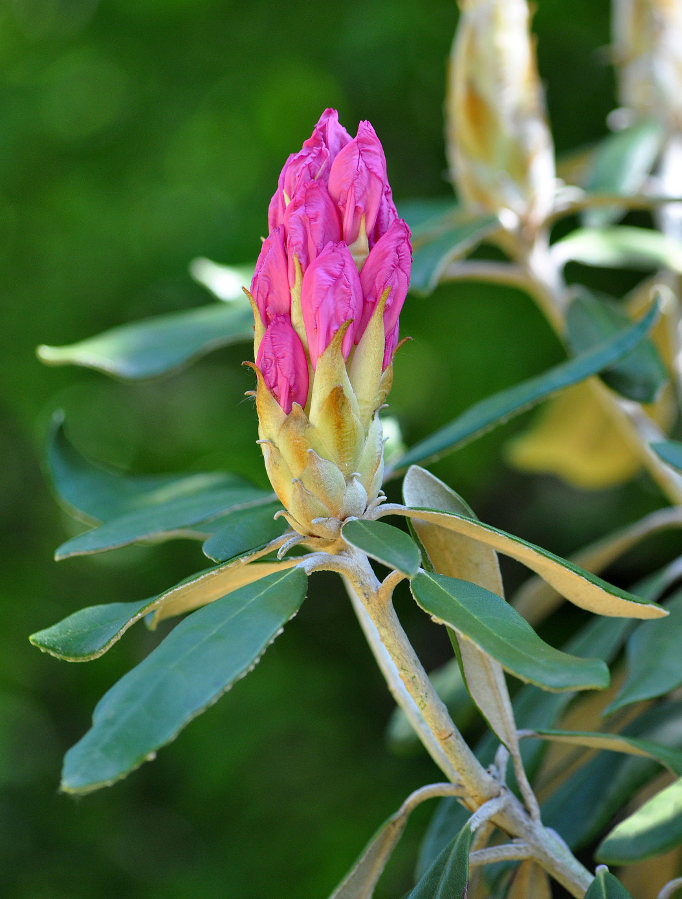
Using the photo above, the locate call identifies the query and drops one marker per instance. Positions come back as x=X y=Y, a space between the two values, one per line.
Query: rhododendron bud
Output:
x=499 y=145
x=357 y=182
x=647 y=49
x=311 y=222
x=283 y=364
x=331 y=294
x=324 y=362
x=269 y=287
x=387 y=266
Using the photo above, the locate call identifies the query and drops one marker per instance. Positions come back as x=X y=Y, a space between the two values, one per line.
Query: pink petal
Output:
x=311 y=222
x=311 y=161
x=385 y=217
x=388 y=265
x=331 y=294
x=357 y=181
x=283 y=364
x=390 y=345
x=270 y=285
x=334 y=135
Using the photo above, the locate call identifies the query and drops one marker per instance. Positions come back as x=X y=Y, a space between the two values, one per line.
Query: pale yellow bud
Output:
x=499 y=145
x=647 y=51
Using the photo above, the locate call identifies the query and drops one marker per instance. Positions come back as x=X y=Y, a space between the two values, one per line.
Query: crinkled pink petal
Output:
x=390 y=345
x=310 y=223
x=311 y=162
x=357 y=181
x=385 y=217
x=334 y=134
x=331 y=294
x=388 y=265
x=283 y=364
x=270 y=286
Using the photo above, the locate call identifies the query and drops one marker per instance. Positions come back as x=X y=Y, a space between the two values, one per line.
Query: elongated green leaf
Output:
x=226 y=282
x=163 y=519
x=619 y=247
x=620 y=165
x=670 y=451
x=499 y=408
x=446 y=822
x=606 y=886
x=385 y=543
x=654 y=658
x=100 y=494
x=671 y=758
x=156 y=346
x=639 y=376
x=448 y=875
x=494 y=626
x=430 y=214
x=653 y=829
x=245 y=529
x=583 y=805
x=196 y=663
x=90 y=632
x=580 y=587
x=434 y=253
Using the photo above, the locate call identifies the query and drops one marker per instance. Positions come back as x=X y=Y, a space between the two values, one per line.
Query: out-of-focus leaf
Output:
x=623 y=246
x=429 y=214
x=652 y=830
x=501 y=406
x=606 y=886
x=670 y=451
x=164 y=519
x=360 y=881
x=639 y=376
x=244 y=529
x=654 y=658
x=197 y=662
x=494 y=626
x=583 y=805
x=447 y=821
x=156 y=346
x=100 y=494
x=90 y=632
x=620 y=165
x=530 y=882
x=448 y=875
x=227 y=282
x=385 y=543
x=578 y=586
x=434 y=253
x=671 y=758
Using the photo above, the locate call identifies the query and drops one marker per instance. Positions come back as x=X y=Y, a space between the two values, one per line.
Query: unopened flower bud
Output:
x=647 y=50
x=498 y=142
x=324 y=364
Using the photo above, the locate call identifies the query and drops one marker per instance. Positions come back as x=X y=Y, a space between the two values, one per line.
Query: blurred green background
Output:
x=136 y=135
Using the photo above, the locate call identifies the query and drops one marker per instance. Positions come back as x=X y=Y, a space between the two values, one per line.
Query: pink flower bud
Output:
x=331 y=294
x=388 y=265
x=311 y=222
x=308 y=164
x=282 y=362
x=357 y=181
x=269 y=287
x=333 y=134
x=385 y=217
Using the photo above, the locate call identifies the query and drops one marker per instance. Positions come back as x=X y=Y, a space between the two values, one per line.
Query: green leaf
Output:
x=619 y=247
x=430 y=214
x=97 y=494
x=606 y=886
x=434 y=253
x=385 y=543
x=166 y=519
x=671 y=758
x=245 y=529
x=90 y=632
x=156 y=346
x=501 y=406
x=654 y=828
x=448 y=875
x=494 y=626
x=197 y=662
x=446 y=822
x=639 y=376
x=670 y=451
x=620 y=165
x=578 y=586
x=654 y=658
